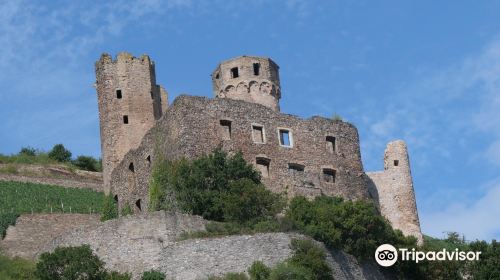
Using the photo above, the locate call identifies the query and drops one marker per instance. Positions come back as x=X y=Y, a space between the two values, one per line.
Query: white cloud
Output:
x=476 y=220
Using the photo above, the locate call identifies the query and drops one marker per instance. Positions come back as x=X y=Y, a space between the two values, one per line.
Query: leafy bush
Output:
x=109 y=208
x=6 y=220
x=355 y=227
x=117 y=276
x=87 y=163
x=16 y=269
x=217 y=186
x=70 y=263
x=60 y=153
x=153 y=275
x=488 y=266
x=27 y=151
x=309 y=255
x=259 y=271
x=230 y=276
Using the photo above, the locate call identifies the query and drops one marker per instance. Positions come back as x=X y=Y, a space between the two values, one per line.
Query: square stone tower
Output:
x=129 y=102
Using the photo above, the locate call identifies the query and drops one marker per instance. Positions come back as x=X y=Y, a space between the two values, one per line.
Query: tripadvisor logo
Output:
x=387 y=255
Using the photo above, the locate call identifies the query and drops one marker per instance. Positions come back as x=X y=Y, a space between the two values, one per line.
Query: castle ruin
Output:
x=309 y=157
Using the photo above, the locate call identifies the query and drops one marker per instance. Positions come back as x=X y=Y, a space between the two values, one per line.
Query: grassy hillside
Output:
x=19 y=198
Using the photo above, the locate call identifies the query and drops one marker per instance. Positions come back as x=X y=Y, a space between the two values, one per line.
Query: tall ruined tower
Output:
x=394 y=189
x=249 y=78
x=129 y=102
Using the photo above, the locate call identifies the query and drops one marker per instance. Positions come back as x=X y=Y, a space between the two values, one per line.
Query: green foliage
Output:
x=6 y=219
x=20 y=198
x=217 y=186
x=27 y=158
x=16 y=269
x=127 y=210
x=309 y=255
x=60 y=153
x=87 y=163
x=117 y=276
x=259 y=271
x=109 y=208
x=488 y=266
x=336 y=117
x=355 y=227
x=70 y=263
x=153 y=275
x=27 y=151
x=288 y=271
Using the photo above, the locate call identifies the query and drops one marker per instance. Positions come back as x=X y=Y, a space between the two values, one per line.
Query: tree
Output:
x=86 y=163
x=70 y=263
x=60 y=153
x=28 y=151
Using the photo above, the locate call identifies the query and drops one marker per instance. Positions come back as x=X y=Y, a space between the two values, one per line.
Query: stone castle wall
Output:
x=194 y=126
x=393 y=190
x=129 y=103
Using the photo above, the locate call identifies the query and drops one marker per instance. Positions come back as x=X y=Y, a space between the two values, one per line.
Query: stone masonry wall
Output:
x=143 y=242
x=129 y=103
x=192 y=127
x=393 y=190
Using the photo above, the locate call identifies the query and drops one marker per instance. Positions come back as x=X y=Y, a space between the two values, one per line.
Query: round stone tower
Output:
x=398 y=196
x=248 y=78
x=129 y=103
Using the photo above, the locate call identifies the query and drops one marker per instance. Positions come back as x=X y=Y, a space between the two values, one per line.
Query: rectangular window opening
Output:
x=234 y=72
x=125 y=119
x=258 y=134
x=329 y=175
x=263 y=166
x=285 y=139
x=295 y=169
x=396 y=162
x=119 y=93
x=256 y=69
x=331 y=144
x=226 y=129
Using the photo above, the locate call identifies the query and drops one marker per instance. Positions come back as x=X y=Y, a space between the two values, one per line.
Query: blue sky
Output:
x=427 y=72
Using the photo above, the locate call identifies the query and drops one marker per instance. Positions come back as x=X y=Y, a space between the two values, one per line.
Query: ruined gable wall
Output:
x=191 y=127
x=393 y=190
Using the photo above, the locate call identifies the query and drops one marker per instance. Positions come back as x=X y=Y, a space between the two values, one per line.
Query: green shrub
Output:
x=153 y=275
x=16 y=269
x=127 y=210
x=230 y=276
x=70 y=263
x=109 y=208
x=289 y=271
x=355 y=227
x=27 y=151
x=117 y=276
x=217 y=186
x=488 y=266
x=259 y=271
x=60 y=153
x=6 y=220
x=309 y=255
x=86 y=163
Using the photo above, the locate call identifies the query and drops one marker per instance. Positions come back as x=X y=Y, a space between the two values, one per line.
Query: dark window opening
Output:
x=131 y=167
x=329 y=175
x=226 y=129
x=331 y=142
x=119 y=93
x=258 y=134
x=256 y=69
x=148 y=159
x=285 y=138
x=116 y=199
x=234 y=72
x=217 y=76
x=295 y=169
x=396 y=162
x=138 y=204
x=263 y=166
x=125 y=119
x=152 y=95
